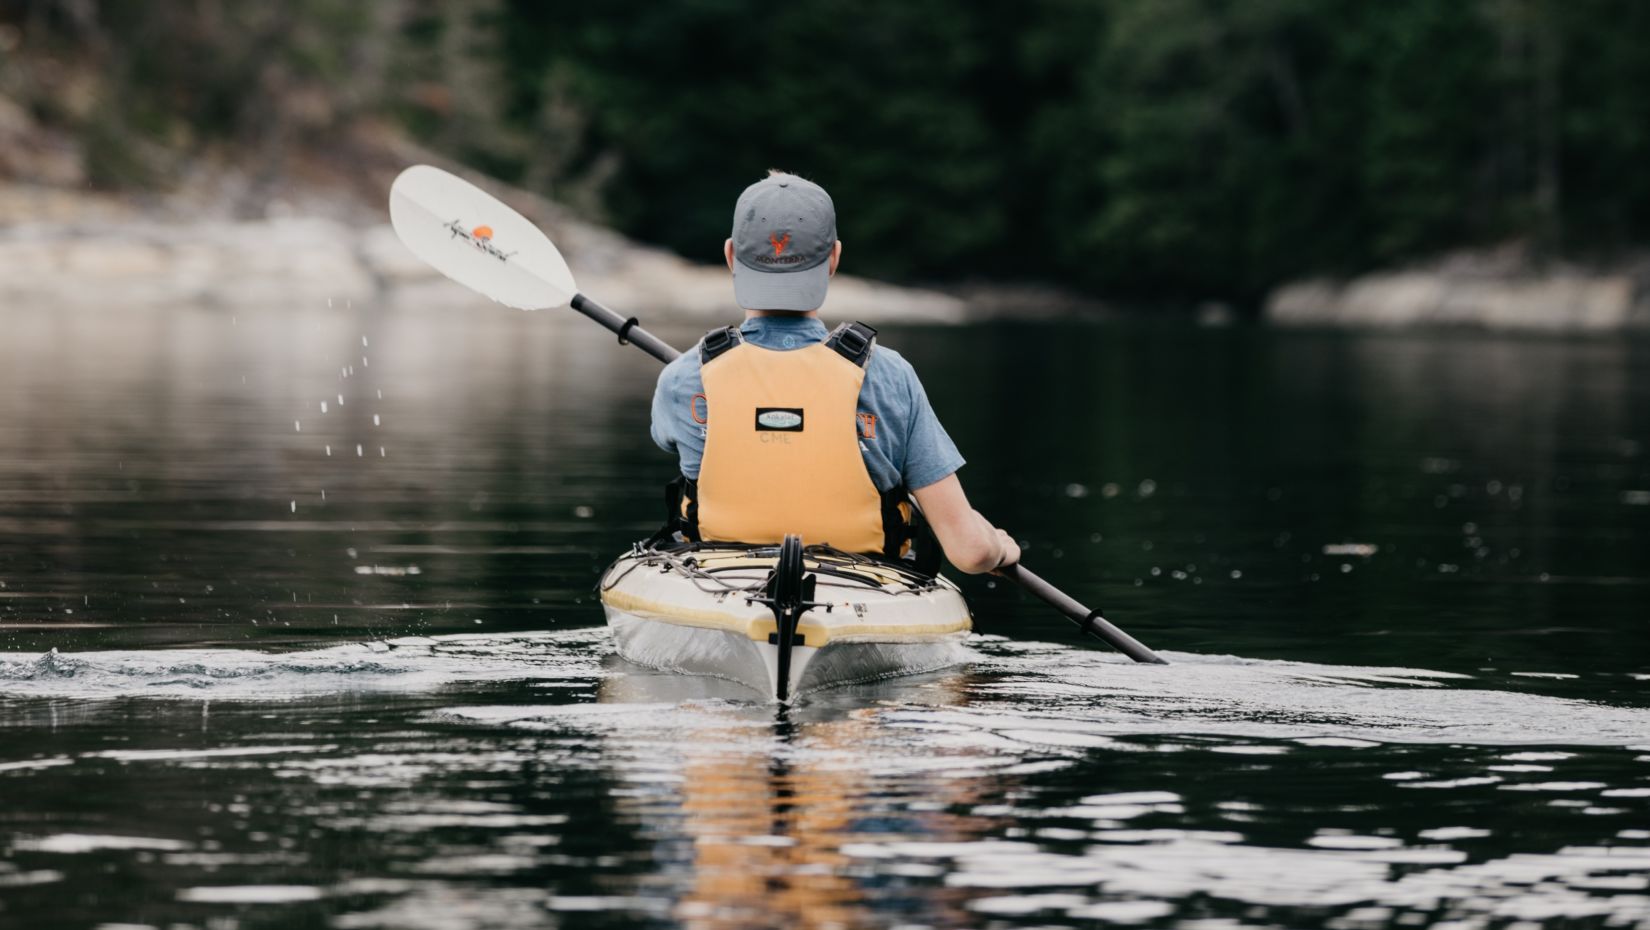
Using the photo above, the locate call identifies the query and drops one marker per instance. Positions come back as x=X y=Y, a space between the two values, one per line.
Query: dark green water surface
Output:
x=269 y=665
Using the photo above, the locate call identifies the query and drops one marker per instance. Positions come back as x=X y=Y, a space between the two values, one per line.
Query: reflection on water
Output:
x=487 y=780
x=758 y=826
x=1401 y=580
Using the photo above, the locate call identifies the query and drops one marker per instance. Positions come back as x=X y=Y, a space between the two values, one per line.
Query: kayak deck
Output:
x=697 y=610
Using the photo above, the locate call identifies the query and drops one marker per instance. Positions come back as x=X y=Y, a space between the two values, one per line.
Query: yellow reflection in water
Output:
x=768 y=816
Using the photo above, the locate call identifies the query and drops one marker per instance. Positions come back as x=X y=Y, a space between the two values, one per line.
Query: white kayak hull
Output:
x=696 y=617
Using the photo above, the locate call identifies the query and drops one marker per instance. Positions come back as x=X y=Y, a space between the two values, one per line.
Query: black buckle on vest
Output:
x=716 y=342
x=853 y=342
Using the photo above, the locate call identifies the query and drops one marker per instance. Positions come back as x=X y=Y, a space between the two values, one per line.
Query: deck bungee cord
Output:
x=708 y=565
x=825 y=561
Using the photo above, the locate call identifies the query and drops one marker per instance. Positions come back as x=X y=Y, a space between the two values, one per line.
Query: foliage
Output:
x=1179 y=148
x=1186 y=149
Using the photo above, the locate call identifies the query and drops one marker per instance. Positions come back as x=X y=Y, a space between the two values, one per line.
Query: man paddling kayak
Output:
x=782 y=427
x=423 y=202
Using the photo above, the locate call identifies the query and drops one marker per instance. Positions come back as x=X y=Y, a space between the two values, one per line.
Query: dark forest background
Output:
x=1171 y=148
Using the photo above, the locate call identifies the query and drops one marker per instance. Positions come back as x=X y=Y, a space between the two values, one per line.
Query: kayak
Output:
x=781 y=620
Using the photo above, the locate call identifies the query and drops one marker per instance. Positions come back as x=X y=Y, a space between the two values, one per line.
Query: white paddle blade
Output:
x=469 y=236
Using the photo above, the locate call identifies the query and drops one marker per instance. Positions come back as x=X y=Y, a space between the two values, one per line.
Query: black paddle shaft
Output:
x=1090 y=620
x=628 y=331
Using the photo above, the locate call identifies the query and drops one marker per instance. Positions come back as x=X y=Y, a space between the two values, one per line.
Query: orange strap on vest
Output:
x=782 y=447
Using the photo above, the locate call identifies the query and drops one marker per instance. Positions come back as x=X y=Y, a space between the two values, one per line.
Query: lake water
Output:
x=297 y=629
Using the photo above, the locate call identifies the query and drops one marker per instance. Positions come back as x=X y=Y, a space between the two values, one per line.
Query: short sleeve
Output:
x=664 y=407
x=930 y=455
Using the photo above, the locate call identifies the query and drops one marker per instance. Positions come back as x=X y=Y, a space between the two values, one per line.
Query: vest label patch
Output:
x=779 y=419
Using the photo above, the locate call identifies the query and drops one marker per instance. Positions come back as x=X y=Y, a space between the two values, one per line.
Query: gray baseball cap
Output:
x=784 y=228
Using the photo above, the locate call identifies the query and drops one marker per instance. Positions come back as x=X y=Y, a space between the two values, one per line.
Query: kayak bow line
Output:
x=468 y=235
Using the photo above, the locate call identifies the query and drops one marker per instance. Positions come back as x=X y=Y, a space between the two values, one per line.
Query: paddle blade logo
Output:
x=779 y=419
x=481 y=237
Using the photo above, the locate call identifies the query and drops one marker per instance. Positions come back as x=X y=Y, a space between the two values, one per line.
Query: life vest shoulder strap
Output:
x=718 y=341
x=853 y=341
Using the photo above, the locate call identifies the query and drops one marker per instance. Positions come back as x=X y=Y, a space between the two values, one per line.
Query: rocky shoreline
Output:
x=217 y=243
x=311 y=226
x=75 y=250
x=1496 y=290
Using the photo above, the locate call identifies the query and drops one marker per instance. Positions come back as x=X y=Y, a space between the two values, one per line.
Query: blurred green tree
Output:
x=1179 y=149
x=698 y=98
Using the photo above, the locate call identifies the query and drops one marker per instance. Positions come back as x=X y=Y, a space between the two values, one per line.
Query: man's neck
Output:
x=793 y=314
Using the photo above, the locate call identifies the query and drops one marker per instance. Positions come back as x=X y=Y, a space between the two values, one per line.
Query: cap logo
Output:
x=778 y=243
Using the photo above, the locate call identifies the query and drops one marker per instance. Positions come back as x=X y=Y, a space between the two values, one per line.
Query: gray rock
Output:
x=80 y=251
x=1471 y=290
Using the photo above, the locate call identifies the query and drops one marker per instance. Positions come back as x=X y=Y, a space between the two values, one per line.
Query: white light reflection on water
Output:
x=407 y=664
x=1018 y=693
x=942 y=795
x=695 y=768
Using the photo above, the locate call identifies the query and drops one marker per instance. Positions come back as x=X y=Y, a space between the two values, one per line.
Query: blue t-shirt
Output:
x=908 y=447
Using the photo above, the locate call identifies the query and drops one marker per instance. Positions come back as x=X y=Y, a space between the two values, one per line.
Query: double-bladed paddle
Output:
x=469 y=236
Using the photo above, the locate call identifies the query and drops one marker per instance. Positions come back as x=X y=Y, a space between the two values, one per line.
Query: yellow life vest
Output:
x=782 y=452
